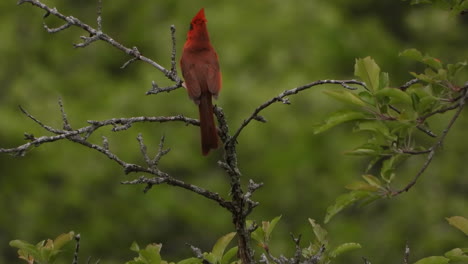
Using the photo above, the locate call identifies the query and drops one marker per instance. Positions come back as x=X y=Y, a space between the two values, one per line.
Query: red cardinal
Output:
x=200 y=69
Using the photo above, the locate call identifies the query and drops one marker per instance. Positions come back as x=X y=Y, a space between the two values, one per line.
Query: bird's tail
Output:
x=209 y=135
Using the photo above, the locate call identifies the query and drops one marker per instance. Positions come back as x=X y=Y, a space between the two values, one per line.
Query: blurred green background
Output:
x=265 y=47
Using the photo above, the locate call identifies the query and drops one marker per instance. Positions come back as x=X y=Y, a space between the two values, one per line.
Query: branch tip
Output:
x=260 y=119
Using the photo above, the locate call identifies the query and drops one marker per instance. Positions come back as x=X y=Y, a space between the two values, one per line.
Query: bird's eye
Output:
x=191 y=26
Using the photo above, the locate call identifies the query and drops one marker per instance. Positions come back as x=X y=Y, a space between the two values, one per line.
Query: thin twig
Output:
x=97 y=34
x=66 y=124
x=155 y=89
x=422 y=118
x=282 y=97
x=408 y=84
x=298 y=252
x=198 y=253
x=77 y=249
x=407 y=253
x=174 y=51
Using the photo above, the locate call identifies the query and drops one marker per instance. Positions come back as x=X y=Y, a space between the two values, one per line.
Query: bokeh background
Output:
x=265 y=47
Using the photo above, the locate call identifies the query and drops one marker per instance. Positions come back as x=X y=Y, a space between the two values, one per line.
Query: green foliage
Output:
x=390 y=116
x=318 y=246
x=263 y=234
x=37 y=67
x=459 y=222
x=458 y=255
x=44 y=252
x=433 y=260
x=151 y=253
x=217 y=253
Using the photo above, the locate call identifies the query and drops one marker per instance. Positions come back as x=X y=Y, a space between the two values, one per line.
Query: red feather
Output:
x=200 y=68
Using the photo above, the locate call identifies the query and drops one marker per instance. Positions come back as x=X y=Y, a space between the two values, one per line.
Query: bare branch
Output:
x=66 y=124
x=77 y=249
x=152 y=163
x=426 y=131
x=136 y=53
x=198 y=253
x=125 y=123
x=167 y=179
x=46 y=127
x=155 y=89
x=421 y=119
x=174 y=51
x=76 y=136
x=407 y=252
x=282 y=97
x=161 y=152
x=118 y=123
x=298 y=253
x=143 y=151
x=99 y=15
x=415 y=152
x=264 y=259
x=97 y=34
x=408 y=84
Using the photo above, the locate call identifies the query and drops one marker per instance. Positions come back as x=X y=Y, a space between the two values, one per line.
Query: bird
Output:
x=202 y=77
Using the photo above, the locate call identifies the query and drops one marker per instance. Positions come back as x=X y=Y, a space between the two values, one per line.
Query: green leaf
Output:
x=320 y=233
x=26 y=249
x=338 y=118
x=190 y=261
x=458 y=254
x=362 y=152
x=388 y=168
x=432 y=62
x=384 y=80
x=372 y=180
x=378 y=128
x=367 y=97
x=135 y=247
x=413 y=54
x=395 y=95
x=231 y=253
x=220 y=246
x=258 y=234
x=345 y=96
x=454 y=69
x=344 y=248
x=433 y=260
x=428 y=60
x=271 y=226
x=422 y=77
x=369 y=72
x=209 y=257
x=361 y=186
x=150 y=255
x=63 y=239
x=47 y=253
x=459 y=222
x=343 y=201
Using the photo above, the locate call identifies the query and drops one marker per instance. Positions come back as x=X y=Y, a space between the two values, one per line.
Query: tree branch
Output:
x=81 y=135
x=97 y=34
x=282 y=97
